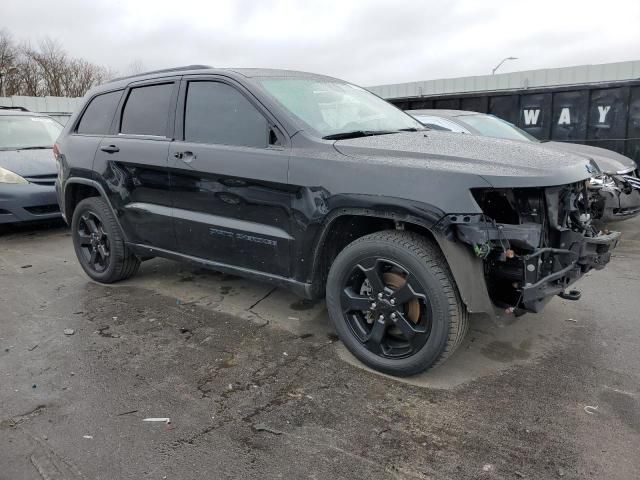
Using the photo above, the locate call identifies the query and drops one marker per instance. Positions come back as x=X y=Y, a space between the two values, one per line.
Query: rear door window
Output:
x=147 y=110
x=217 y=113
x=98 y=116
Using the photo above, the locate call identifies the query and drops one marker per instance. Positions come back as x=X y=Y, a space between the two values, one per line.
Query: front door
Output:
x=228 y=173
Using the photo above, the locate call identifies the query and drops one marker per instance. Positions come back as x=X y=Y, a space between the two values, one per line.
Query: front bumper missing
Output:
x=594 y=253
x=537 y=273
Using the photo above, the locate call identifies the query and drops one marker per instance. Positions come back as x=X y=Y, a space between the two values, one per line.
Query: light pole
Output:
x=500 y=64
x=3 y=78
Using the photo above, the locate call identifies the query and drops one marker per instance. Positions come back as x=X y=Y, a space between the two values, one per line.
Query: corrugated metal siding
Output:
x=607 y=72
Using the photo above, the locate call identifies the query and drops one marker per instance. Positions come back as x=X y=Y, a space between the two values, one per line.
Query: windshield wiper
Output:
x=33 y=148
x=357 y=134
x=411 y=129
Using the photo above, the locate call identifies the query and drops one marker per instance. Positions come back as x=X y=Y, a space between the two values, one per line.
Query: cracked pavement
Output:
x=256 y=385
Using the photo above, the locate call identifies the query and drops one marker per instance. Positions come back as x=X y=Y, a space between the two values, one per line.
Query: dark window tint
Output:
x=217 y=113
x=99 y=114
x=147 y=110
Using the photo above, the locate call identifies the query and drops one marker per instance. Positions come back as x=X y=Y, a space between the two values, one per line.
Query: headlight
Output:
x=7 y=176
x=601 y=180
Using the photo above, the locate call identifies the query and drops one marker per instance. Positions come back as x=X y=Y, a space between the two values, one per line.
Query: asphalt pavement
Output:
x=256 y=385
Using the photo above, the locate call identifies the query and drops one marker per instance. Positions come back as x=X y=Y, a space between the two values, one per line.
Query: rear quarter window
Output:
x=147 y=110
x=98 y=115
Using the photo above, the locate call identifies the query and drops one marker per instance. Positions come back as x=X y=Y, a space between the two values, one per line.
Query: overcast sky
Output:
x=369 y=42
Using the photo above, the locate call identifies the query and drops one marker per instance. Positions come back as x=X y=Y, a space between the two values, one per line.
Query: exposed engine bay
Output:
x=534 y=242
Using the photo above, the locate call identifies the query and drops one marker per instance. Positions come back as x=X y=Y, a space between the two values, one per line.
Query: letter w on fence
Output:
x=531 y=116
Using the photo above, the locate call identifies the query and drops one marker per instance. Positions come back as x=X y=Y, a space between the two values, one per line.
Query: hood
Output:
x=608 y=161
x=502 y=163
x=29 y=163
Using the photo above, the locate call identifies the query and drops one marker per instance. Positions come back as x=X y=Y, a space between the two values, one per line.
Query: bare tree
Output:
x=46 y=69
x=80 y=76
x=8 y=51
x=135 y=67
x=8 y=55
x=53 y=63
x=29 y=78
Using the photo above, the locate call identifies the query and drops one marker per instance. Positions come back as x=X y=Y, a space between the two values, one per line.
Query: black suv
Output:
x=319 y=186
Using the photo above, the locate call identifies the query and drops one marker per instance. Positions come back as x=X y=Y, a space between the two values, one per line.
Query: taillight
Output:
x=56 y=151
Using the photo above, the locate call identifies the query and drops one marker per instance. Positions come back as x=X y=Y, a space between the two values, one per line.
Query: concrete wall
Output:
x=59 y=108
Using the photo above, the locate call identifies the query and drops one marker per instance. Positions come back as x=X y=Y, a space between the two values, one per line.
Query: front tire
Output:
x=394 y=303
x=99 y=244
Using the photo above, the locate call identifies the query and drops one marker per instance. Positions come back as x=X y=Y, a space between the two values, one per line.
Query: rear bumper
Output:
x=27 y=203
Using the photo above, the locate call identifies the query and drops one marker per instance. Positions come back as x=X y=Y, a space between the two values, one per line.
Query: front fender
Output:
x=466 y=268
x=468 y=273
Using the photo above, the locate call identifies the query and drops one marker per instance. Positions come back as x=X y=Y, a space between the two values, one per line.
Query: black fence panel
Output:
x=505 y=106
x=570 y=114
x=608 y=118
x=605 y=115
x=535 y=115
x=475 y=104
x=428 y=104
x=447 y=104
x=633 y=126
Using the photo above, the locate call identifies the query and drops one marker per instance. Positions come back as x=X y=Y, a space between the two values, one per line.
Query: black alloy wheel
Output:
x=386 y=308
x=99 y=243
x=94 y=242
x=394 y=303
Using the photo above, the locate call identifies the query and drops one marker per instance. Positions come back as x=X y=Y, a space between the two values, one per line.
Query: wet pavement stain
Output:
x=303 y=304
x=504 y=352
x=625 y=406
x=246 y=399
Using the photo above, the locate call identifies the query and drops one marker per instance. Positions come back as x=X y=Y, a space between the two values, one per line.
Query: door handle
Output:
x=110 y=148
x=187 y=157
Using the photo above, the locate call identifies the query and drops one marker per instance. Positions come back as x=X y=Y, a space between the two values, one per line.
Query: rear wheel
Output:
x=99 y=243
x=394 y=304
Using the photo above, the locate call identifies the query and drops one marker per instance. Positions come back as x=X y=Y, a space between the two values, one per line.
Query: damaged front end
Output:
x=534 y=242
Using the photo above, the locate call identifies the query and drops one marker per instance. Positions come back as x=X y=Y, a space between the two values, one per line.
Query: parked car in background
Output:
x=27 y=166
x=317 y=185
x=615 y=189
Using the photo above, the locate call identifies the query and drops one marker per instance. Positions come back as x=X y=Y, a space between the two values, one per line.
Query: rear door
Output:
x=95 y=122
x=132 y=162
x=229 y=178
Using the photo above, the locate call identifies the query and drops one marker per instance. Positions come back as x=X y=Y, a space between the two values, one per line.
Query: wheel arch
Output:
x=344 y=225
x=77 y=189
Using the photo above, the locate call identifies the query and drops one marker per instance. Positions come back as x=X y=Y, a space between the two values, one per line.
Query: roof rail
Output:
x=22 y=109
x=164 y=70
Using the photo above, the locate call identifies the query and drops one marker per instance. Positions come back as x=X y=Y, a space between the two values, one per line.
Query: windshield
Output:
x=490 y=126
x=19 y=132
x=332 y=108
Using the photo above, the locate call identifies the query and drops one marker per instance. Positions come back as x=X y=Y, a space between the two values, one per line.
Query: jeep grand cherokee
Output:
x=317 y=185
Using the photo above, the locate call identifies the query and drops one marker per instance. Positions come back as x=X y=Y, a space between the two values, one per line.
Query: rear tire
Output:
x=99 y=243
x=362 y=315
